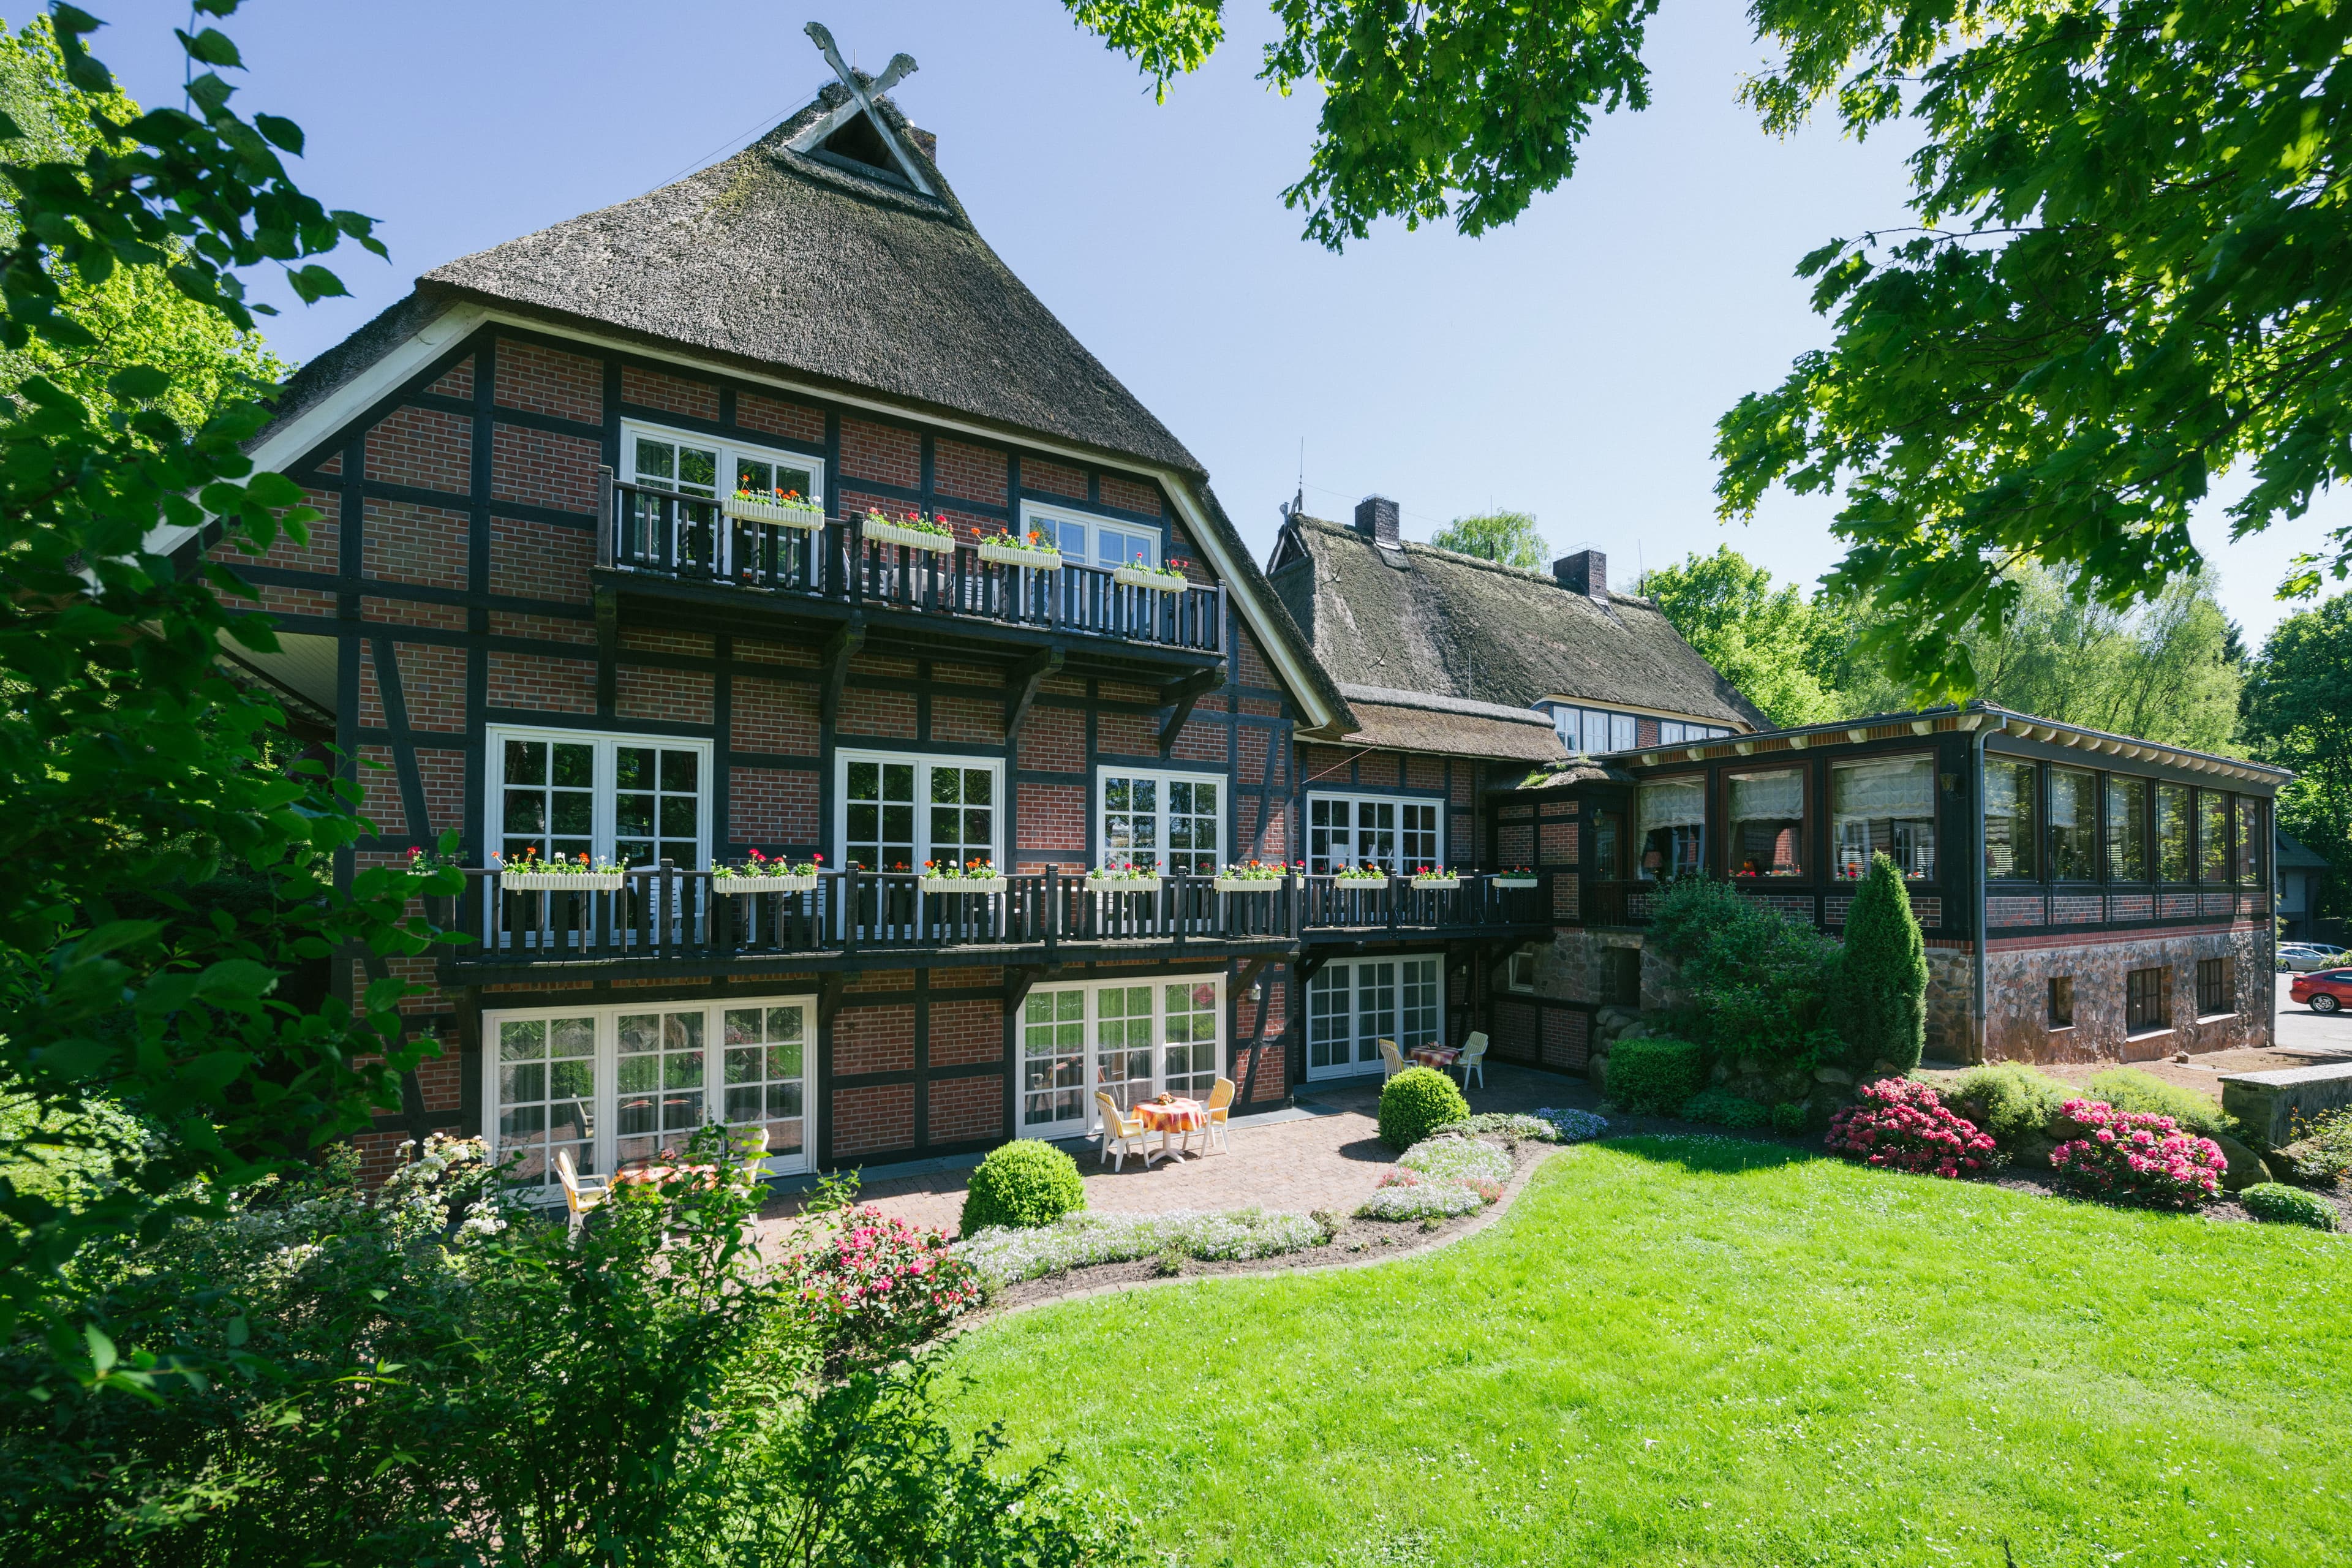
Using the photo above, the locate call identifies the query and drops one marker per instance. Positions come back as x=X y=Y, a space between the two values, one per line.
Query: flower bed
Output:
x=2135 y=1157
x=1450 y=1157
x=1003 y=1256
x=1574 y=1126
x=1511 y=1126
x=1407 y=1194
x=1901 y=1125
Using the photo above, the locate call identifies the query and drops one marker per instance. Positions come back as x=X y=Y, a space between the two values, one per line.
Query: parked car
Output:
x=2301 y=959
x=2323 y=991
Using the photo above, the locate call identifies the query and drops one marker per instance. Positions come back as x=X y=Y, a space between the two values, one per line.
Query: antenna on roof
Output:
x=900 y=67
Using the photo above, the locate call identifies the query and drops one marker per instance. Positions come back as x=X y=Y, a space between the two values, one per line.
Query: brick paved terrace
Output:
x=1325 y=1154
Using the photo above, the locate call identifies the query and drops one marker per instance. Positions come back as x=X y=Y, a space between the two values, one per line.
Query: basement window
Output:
x=2148 y=1002
x=2061 y=1001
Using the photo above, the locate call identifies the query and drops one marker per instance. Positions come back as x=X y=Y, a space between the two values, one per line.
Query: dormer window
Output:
x=857 y=141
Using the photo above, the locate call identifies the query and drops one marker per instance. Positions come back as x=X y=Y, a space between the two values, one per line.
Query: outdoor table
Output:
x=656 y=1175
x=1442 y=1058
x=1185 y=1116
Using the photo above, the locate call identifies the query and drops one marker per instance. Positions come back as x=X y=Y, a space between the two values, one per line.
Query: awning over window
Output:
x=1673 y=802
x=1778 y=796
x=1896 y=789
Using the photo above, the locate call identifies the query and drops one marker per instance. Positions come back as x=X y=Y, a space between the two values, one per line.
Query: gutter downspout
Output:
x=1976 y=787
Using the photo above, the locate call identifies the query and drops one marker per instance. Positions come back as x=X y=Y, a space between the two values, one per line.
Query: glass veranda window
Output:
x=2127 y=830
x=2074 y=825
x=2009 y=810
x=1883 y=808
x=2212 y=836
x=1673 y=827
x=2172 y=832
x=1768 y=819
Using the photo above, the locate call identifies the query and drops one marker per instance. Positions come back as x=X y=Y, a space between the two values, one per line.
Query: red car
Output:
x=2326 y=990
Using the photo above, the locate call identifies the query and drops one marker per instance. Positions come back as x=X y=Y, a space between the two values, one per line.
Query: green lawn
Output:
x=1691 y=1351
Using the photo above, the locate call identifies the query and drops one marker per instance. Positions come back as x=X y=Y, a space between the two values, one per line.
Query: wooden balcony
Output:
x=651 y=539
x=665 y=921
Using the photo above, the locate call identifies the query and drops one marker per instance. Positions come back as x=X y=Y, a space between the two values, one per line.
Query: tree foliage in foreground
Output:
x=1508 y=537
x=2129 y=268
x=2298 y=715
x=171 y=908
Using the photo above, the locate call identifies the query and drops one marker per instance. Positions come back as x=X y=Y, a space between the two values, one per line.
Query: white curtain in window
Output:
x=1906 y=788
x=1676 y=803
x=1756 y=797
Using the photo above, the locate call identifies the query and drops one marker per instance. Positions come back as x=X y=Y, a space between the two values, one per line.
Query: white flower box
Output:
x=561 y=881
x=912 y=537
x=783 y=513
x=765 y=884
x=1249 y=884
x=964 y=884
x=1122 y=884
x=1145 y=577
x=1436 y=884
x=1020 y=555
x=1515 y=882
x=1358 y=884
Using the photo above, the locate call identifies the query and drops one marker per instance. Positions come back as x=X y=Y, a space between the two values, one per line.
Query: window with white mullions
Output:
x=656 y=804
x=549 y=801
x=1127 y=1041
x=702 y=469
x=547 y=1094
x=626 y=798
x=963 y=814
x=764 y=1066
x=1123 y=1031
x=661 y=1075
x=1400 y=836
x=1085 y=539
x=880 y=816
x=1054 y=1061
x=1172 y=821
x=1188 y=1049
x=897 y=811
x=1353 y=1005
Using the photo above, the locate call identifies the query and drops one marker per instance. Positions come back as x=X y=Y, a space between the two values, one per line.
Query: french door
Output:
x=1352 y=1006
x=1128 y=1040
x=619 y=1086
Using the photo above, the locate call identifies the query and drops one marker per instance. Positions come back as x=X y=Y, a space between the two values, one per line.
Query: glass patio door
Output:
x=1123 y=1044
x=1352 y=1007
x=1056 y=1098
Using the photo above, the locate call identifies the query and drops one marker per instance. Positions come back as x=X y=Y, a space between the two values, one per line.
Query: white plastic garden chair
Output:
x=1220 y=1099
x=1472 y=1058
x=580 y=1192
x=1391 y=1060
x=1120 y=1134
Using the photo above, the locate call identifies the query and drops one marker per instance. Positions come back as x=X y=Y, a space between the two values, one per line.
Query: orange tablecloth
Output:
x=1435 y=1055
x=1181 y=1116
x=654 y=1175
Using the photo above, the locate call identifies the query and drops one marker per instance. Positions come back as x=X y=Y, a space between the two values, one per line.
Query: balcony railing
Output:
x=666 y=915
x=685 y=538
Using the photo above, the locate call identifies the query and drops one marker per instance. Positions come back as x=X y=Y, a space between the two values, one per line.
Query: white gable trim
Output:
x=405 y=360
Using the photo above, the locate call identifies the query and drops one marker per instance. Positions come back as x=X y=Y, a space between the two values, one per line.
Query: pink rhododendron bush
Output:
x=2135 y=1157
x=1901 y=1125
x=874 y=1287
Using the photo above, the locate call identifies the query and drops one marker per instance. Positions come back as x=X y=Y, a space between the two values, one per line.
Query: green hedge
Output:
x=1022 y=1185
x=1416 y=1103
x=2288 y=1205
x=1655 y=1076
x=2128 y=1088
x=1721 y=1108
x=2010 y=1103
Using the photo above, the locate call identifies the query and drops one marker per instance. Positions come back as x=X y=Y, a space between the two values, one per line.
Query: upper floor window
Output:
x=2126 y=829
x=1398 y=835
x=1883 y=808
x=1090 y=540
x=707 y=466
x=1767 y=820
x=2010 y=808
x=897 y=811
x=1672 y=733
x=1674 y=826
x=1592 y=731
x=1172 y=821
x=2212 y=836
x=2172 y=831
x=639 y=801
x=2074 y=825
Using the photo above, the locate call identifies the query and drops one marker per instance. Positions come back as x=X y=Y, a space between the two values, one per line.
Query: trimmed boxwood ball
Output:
x=1655 y=1076
x=1022 y=1185
x=2282 y=1205
x=1416 y=1103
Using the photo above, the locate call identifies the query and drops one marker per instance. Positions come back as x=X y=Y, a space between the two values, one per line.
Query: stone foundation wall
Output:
x=2017 y=996
x=1951 y=1002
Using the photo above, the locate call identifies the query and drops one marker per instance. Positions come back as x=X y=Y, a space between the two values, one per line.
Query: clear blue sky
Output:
x=1572 y=365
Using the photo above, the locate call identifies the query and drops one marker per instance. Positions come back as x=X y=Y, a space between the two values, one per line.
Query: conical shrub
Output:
x=1878 y=998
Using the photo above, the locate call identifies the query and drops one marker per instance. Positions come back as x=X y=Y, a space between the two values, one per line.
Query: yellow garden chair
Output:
x=1121 y=1133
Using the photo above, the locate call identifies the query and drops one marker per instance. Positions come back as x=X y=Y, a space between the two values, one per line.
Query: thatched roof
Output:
x=1416 y=721
x=1413 y=617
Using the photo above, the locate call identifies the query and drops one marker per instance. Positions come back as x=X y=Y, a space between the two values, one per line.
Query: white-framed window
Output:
x=1091 y=539
x=1886 y=805
x=899 y=810
x=1674 y=733
x=1593 y=731
x=638 y=799
x=710 y=466
x=1521 y=975
x=1353 y=1005
x=1173 y=821
x=1397 y=833
x=1127 y=1038
x=615 y=1086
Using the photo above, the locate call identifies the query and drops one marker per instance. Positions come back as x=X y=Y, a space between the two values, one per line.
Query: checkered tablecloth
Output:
x=1179 y=1116
x=1435 y=1055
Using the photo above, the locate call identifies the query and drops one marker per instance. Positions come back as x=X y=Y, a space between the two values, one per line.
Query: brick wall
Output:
x=545 y=685
x=965 y=1110
x=541 y=468
x=882 y=452
x=873 y=1039
x=1053 y=818
x=773 y=807
x=878 y=1118
x=866 y=712
x=406 y=543
x=665 y=696
x=1054 y=479
x=1133 y=495
x=794 y=421
x=548 y=381
x=422 y=448
x=974 y=473
x=968 y=720
x=675 y=393
x=1054 y=740
x=540 y=561
x=967 y=1031
x=774 y=716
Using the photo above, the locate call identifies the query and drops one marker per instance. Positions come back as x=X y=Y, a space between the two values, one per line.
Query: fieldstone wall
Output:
x=1951 y=1002
x=2017 y=996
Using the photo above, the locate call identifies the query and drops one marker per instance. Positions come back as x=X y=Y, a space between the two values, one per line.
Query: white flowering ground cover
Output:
x=1574 y=1126
x=1005 y=1256
x=1420 y=1198
x=1462 y=1161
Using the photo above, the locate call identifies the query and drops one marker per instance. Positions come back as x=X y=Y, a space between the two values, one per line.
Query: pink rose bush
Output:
x=2133 y=1157
x=1901 y=1125
x=877 y=1287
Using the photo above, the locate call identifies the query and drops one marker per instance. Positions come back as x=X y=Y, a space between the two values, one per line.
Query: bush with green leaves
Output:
x=2011 y=1103
x=1655 y=1076
x=1416 y=1103
x=1790 y=1116
x=1721 y=1108
x=2128 y=1088
x=1754 y=982
x=1023 y=1185
x=1878 y=992
x=2318 y=1152
x=2280 y=1205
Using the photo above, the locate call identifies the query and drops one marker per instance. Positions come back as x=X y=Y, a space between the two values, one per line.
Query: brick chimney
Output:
x=1376 y=519
x=1587 y=573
